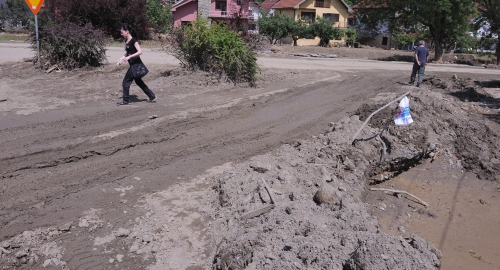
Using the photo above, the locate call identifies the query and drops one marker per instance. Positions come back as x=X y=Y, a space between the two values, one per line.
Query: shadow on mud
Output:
x=470 y=94
x=398 y=57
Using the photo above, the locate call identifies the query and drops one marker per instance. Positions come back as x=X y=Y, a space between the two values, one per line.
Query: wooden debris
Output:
x=384 y=147
x=51 y=69
x=264 y=209
x=268 y=191
x=257 y=212
x=401 y=192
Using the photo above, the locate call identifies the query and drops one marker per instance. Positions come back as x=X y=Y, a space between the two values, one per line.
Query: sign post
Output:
x=35 y=6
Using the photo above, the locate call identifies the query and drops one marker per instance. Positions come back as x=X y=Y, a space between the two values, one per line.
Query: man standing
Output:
x=421 y=58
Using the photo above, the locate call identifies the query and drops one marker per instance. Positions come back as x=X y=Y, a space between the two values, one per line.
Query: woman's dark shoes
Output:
x=122 y=103
x=151 y=99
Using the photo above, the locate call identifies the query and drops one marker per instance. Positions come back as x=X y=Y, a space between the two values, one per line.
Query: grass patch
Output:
x=8 y=37
x=476 y=256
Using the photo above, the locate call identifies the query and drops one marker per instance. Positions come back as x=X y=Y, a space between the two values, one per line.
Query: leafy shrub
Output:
x=403 y=39
x=350 y=36
x=69 y=45
x=324 y=29
x=214 y=49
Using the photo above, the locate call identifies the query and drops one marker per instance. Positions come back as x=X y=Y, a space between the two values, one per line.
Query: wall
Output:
x=186 y=13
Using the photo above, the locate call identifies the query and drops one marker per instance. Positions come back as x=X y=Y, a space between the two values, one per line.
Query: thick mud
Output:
x=218 y=176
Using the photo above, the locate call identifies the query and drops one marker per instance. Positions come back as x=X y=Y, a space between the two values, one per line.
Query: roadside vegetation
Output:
x=214 y=48
x=69 y=46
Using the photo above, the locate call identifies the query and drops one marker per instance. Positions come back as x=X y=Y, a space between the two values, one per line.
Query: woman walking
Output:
x=133 y=51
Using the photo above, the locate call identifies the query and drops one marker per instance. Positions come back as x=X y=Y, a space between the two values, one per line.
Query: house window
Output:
x=308 y=16
x=252 y=27
x=331 y=17
x=385 y=41
x=322 y=3
x=220 y=5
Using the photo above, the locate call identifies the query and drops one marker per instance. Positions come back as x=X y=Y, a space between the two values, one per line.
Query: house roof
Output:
x=288 y=4
x=285 y=4
x=181 y=3
x=268 y=4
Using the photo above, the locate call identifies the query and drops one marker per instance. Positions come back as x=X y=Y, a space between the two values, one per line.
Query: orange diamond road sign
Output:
x=34 y=5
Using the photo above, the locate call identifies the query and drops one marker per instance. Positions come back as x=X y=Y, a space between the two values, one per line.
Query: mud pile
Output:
x=319 y=219
x=302 y=206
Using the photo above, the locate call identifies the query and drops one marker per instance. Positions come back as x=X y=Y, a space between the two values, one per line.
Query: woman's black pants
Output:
x=127 y=81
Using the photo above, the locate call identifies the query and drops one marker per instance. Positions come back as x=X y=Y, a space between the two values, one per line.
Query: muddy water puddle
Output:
x=462 y=218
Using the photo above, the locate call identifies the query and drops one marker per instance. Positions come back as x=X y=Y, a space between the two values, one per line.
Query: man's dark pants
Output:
x=420 y=70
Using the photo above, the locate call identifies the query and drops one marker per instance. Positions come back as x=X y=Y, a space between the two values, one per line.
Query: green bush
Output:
x=214 y=49
x=69 y=45
x=159 y=16
x=324 y=29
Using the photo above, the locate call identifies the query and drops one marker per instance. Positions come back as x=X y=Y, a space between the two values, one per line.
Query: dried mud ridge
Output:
x=300 y=206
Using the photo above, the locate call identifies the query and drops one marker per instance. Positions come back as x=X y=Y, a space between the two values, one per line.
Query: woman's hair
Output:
x=131 y=31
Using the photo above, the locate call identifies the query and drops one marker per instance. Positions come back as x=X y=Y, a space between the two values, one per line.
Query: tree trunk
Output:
x=438 y=39
x=497 y=51
x=438 y=52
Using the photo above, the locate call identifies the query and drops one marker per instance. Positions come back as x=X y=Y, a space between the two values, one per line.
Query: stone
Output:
x=326 y=194
x=47 y=262
x=65 y=227
x=122 y=232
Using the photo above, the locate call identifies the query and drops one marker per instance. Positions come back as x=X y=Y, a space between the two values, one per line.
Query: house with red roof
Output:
x=185 y=11
x=309 y=10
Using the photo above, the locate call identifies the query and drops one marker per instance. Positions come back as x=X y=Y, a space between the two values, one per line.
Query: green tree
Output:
x=350 y=36
x=275 y=26
x=446 y=19
x=324 y=29
x=298 y=29
x=15 y=12
x=402 y=38
x=159 y=15
x=489 y=20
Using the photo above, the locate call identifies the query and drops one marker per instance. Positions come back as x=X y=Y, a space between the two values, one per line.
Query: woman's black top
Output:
x=130 y=49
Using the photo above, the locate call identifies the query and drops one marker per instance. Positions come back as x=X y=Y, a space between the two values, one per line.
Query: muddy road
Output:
x=73 y=160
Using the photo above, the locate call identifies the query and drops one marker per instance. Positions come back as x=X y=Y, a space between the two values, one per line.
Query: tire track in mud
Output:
x=161 y=154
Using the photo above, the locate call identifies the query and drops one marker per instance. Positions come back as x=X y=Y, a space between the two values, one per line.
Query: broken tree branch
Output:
x=268 y=190
x=382 y=152
x=402 y=192
x=51 y=69
x=257 y=212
